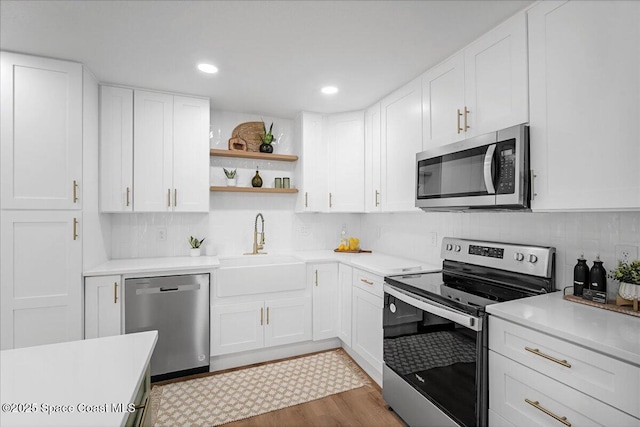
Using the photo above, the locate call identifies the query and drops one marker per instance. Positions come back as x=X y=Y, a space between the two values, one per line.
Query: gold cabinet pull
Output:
x=316 y=277
x=539 y=407
x=175 y=197
x=261 y=316
x=459 y=115
x=306 y=199
x=128 y=194
x=115 y=292
x=367 y=282
x=330 y=200
x=537 y=352
x=169 y=197
x=466 y=114
x=377 y=198
x=267 y=315
x=75 y=191
x=75 y=228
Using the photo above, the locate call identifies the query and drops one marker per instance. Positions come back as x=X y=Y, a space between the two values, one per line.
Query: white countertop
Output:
x=101 y=371
x=151 y=265
x=611 y=333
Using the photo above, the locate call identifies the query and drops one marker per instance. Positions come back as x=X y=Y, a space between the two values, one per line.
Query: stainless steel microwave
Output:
x=489 y=171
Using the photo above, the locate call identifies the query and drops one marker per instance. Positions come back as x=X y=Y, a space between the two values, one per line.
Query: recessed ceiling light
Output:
x=329 y=90
x=208 y=68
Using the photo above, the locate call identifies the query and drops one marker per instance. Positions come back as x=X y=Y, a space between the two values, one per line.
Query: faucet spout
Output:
x=257 y=246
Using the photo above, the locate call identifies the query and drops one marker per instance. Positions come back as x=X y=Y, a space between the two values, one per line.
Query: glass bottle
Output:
x=580 y=276
x=598 y=276
x=256 y=181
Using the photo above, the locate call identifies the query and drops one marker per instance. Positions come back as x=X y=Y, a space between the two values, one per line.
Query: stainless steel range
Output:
x=435 y=328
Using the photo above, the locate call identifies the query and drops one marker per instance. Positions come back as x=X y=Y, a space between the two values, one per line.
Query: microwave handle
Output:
x=488 y=168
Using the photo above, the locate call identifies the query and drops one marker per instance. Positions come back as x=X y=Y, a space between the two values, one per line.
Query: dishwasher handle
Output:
x=163 y=289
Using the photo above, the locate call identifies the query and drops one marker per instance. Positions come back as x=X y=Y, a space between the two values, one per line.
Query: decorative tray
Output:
x=608 y=306
x=359 y=251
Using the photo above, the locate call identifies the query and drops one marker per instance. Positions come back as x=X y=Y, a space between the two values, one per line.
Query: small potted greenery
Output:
x=266 y=138
x=628 y=274
x=195 y=245
x=231 y=177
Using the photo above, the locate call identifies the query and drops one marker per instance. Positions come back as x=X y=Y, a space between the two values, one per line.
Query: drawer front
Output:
x=368 y=282
x=609 y=380
x=527 y=398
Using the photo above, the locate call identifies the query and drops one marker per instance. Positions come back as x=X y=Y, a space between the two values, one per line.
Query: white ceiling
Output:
x=274 y=56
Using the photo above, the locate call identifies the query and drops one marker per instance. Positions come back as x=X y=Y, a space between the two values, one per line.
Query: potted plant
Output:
x=195 y=245
x=628 y=274
x=266 y=138
x=231 y=177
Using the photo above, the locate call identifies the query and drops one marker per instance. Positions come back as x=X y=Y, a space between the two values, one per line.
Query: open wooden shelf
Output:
x=253 y=155
x=254 y=190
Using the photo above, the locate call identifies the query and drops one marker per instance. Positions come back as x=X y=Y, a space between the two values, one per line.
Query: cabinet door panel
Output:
x=41 y=148
x=312 y=166
x=103 y=303
x=116 y=149
x=43 y=306
x=191 y=154
x=345 y=286
x=324 y=282
x=237 y=327
x=153 y=152
x=442 y=97
x=372 y=184
x=401 y=140
x=496 y=82
x=287 y=321
x=367 y=327
x=584 y=68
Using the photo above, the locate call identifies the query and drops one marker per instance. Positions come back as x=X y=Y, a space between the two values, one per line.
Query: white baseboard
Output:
x=234 y=360
x=366 y=366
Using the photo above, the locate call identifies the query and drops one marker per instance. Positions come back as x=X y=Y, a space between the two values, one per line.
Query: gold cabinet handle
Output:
x=75 y=228
x=267 y=315
x=75 y=191
x=459 y=115
x=306 y=199
x=115 y=292
x=367 y=282
x=316 y=277
x=539 y=407
x=175 y=197
x=377 y=198
x=330 y=200
x=169 y=197
x=128 y=194
x=466 y=114
x=537 y=352
x=261 y=316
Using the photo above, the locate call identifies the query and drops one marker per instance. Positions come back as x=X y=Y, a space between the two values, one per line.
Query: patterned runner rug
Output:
x=232 y=396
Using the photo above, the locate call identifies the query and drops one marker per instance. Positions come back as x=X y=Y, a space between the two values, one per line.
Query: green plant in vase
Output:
x=628 y=274
x=267 y=138
x=231 y=177
x=195 y=245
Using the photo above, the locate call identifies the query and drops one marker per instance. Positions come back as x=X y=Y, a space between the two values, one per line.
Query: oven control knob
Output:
x=518 y=256
x=392 y=307
x=457 y=248
x=449 y=246
x=533 y=258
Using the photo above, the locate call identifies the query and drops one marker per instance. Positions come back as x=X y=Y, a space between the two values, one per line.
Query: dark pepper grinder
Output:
x=598 y=276
x=580 y=276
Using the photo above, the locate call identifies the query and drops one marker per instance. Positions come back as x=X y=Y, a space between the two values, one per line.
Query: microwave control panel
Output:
x=506 y=167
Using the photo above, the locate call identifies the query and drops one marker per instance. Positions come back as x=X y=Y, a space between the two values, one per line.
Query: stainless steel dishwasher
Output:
x=178 y=308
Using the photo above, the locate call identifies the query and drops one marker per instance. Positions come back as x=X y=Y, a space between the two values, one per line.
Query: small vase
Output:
x=232 y=182
x=266 y=148
x=256 y=181
x=195 y=252
x=629 y=291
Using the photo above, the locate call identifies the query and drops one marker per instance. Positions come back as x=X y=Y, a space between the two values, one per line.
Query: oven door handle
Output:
x=435 y=308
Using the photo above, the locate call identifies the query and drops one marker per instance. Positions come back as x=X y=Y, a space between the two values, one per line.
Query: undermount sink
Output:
x=256 y=274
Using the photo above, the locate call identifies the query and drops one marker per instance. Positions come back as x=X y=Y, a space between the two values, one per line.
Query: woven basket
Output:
x=246 y=137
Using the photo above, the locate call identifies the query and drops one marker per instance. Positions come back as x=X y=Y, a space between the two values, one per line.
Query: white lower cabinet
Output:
x=345 y=301
x=366 y=324
x=102 y=306
x=324 y=282
x=256 y=324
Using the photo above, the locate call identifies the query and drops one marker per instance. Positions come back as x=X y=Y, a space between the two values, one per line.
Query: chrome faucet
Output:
x=257 y=246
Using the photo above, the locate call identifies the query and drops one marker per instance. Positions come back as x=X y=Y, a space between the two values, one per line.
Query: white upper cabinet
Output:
x=401 y=139
x=41 y=133
x=584 y=70
x=312 y=166
x=171 y=152
x=372 y=182
x=191 y=154
x=345 y=142
x=481 y=89
x=116 y=149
